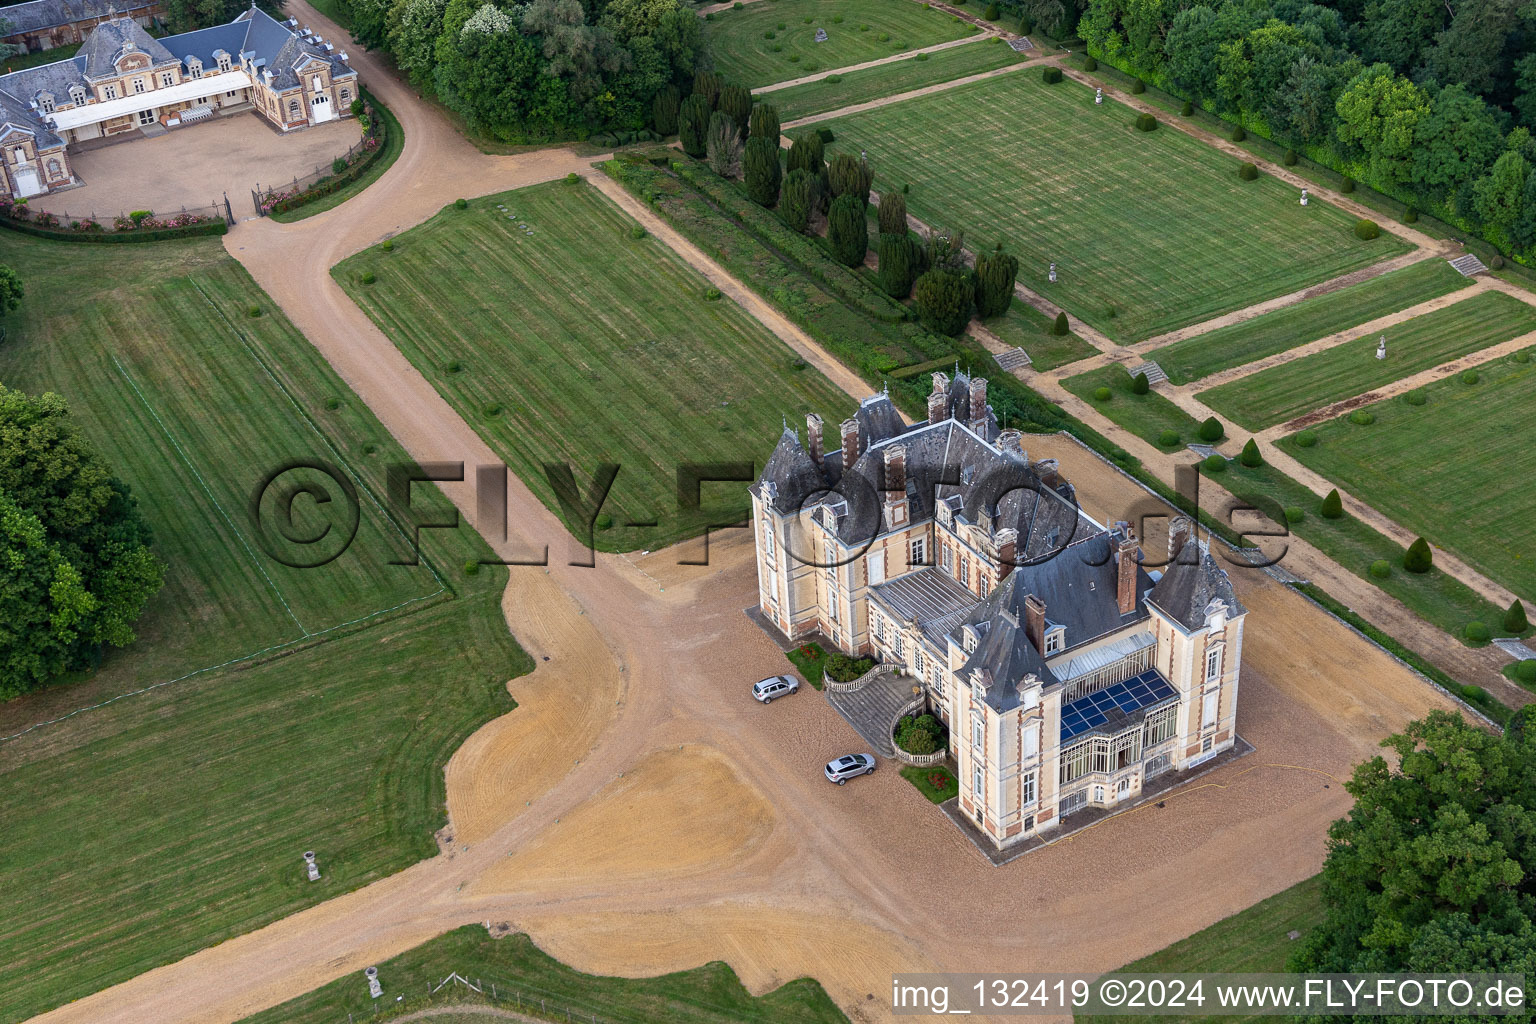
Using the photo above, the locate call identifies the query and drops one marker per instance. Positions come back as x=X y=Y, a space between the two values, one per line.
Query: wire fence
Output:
x=96 y=221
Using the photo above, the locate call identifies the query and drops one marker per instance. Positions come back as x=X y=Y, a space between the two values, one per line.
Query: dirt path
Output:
x=904 y=55
x=910 y=94
x=640 y=671
x=470 y=1010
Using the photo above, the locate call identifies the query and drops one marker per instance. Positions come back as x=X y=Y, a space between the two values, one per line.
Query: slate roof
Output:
x=1190 y=583
x=931 y=597
x=108 y=40
x=282 y=48
x=41 y=14
x=16 y=113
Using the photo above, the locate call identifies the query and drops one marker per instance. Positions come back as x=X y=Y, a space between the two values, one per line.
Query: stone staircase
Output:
x=1468 y=265
x=1155 y=374
x=874 y=708
x=1015 y=360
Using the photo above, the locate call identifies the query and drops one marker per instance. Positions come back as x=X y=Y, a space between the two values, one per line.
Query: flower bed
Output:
x=357 y=163
x=139 y=226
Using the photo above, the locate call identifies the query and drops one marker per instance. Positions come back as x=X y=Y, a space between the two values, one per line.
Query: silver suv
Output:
x=774 y=686
x=849 y=766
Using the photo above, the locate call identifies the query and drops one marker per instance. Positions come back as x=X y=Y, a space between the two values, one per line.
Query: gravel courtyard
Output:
x=195 y=166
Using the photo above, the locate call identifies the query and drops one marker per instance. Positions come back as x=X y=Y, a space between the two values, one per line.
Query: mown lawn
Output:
x=1460 y=470
x=1150 y=230
x=165 y=821
x=1253 y=941
x=22 y=61
x=1225 y=347
x=1025 y=326
x=1146 y=416
x=1282 y=392
x=582 y=345
x=523 y=975
x=901 y=76
x=775 y=41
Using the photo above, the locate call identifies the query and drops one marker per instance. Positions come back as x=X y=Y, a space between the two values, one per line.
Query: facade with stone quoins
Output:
x=125 y=81
x=44 y=24
x=1067 y=673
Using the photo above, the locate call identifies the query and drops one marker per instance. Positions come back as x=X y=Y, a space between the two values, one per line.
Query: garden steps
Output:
x=1015 y=360
x=1468 y=265
x=874 y=708
x=1155 y=373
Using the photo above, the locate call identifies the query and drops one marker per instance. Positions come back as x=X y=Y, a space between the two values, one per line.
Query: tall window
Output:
x=965 y=571
x=917 y=661
x=45 y=102
x=110 y=92
x=166 y=79
x=977 y=782
x=314 y=84
x=1027 y=788
x=1213 y=663
x=946 y=556
x=875 y=564
x=898 y=645
x=877 y=625
x=978 y=734
x=1029 y=742
x=983 y=583
x=138 y=85
x=936 y=680
x=768 y=539
x=1208 y=710
x=919 y=550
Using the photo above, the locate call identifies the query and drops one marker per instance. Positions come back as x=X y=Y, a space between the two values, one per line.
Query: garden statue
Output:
x=1303 y=197
x=1098 y=96
x=1053 y=273
x=821 y=35
x=1381 y=348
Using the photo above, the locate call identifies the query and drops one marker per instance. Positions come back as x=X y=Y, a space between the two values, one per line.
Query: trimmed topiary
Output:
x=388 y=245
x=711 y=294
x=1248 y=172
x=1250 y=456
x=1347 y=185
x=1477 y=633
x=1411 y=217
x=1294 y=514
x=1214 y=463
x=1496 y=262
x=1211 y=430
x=1050 y=75
x=1239 y=134
x=1146 y=123
x=1089 y=64
x=253 y=311
x=1381 y=568
x=1365 y=230
x=459 y=204
x=637 y=232
x=368 y=277
x=1419 y=558
x=1523 y=356
x=1138 y=87
x=1362 y=417
x=1060 y=327
x=1332 y=506
x=1102 y=394
x=1291 y=159
x=1306 y=439
x=993 y=12
x=996 y=272
x=1416 y=398
x=1169 y=438
x=1470 y=377
x=1140 y=385
x=1187 y=110
x=1525 y=671
x=1514 y=618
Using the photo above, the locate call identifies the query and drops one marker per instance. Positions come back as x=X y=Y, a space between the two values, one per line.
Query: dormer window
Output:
x=223 y=59
x=45 y=103
x=138 y=85
x=1055 y=639
x=969 y=639
x=110 y=92
x=194 y=67
x=77 y=95
x=167 y=79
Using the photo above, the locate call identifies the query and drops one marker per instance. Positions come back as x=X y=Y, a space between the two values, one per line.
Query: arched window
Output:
x=55 y=170
x=293 y=109
x=346 y=96
x=77 y=95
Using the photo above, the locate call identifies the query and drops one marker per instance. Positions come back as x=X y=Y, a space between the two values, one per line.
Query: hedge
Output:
x=1146 y=122
x=213 y=227
x=1050 y=75
x=353 y=172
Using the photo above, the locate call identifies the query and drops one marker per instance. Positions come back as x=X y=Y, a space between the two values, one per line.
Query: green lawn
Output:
x=582 y=345
x=523 y=976
x=1253 y=941
x=265 y=710
x=901 y=76
x=1284 y=329
x=1286 y=391
x=1146 y=416
x=21 y=62
x=857 y=31
x=1030 y=329
x=922 y=780
x=1150 y=230
x=1459 y=470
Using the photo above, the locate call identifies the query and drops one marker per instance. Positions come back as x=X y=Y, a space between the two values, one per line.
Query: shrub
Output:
x=471 y=568
x=898 y=264
x=1248 y=172
x=368 y=277
x=1347 y=185
x=1138 y=87
x=1291 y=159
x=1140 y=385
x=848 y=230
x=1050 y=75
x=706 y=85
x=1416 y=398
x=1211 y=430
x=1477 y=633
x=1214 y=463
x=1469 y=377
x=765 y=123
x=850 y=175
x=761 y=170
x=356 y=108
x=798 y=198
x=893 y=214
x=1332 y=506
x=992 y=13
x=253 y=311
x=1089 y=64
x=1525 y=671
x=915 y=56
x=572 y=178
x=770 y=34
x=883 y=37
x=454 y=366
x=736 y=103
x=1362 y=417
x=1514 y=618
x=492 y=411
x=1381 y=568
x=1411 y=217
x=1496 y=262
x=1523 y=356
x=711 y=294
x=338 y=165
x=664 y=108
x=1239 y=134
x=807 y=153
x=1250 y=456
x=459 y=204
x=388 y=245
x=693 y=124
x=837 y=19
x=841 y=668
x=1365 y=230
x=1306 y=439
x=1060 y=327
x=943 y=300
x=1419 y=558
x=1169 y=438
x=996 y=272
x=1146 y=123
x=1102 y=394
x=1187 y=110
x=637 y=232
x=1294 y=514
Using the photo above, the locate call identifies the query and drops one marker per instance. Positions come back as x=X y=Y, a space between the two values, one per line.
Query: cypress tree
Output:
x=707 y=85
x=848 y=230
x=943 y=300
x=849 y=175
x=893 y=214
x=722 y=144
x=664 y=110
x=1251 y=457
x=1211 y=430
x=692 y=123
x=1514 y=619
x=760 y=167
x=736 y=103
x=996 y=272
x=1060 y=328
x=1140 y=385
x=807 y=154
x=897 y=255
x=765 y=123
x=1333 y=505
x=1418 y=557
x=798 y=199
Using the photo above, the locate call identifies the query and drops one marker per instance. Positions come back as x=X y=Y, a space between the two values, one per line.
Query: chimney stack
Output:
x=896 y=508
x=850 y=443
x=1011 y=441
x=1125 y=553
x=1007 y=552
x=1034 y=622
x=938 y=398
x=1180 y=530
x=1049 y=472
x=979 y=405
x=813 y=436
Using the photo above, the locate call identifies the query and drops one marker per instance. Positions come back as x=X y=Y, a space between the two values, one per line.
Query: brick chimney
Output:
x=1125 y=553
x=1011 y=441
x=1180 y=530
x=850 y=443
x=938 y=398
x=978 y=404
x=1049 y=472
x=1034 y=622
x=1007 y=552
x=813 y=436
x=896 y=486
